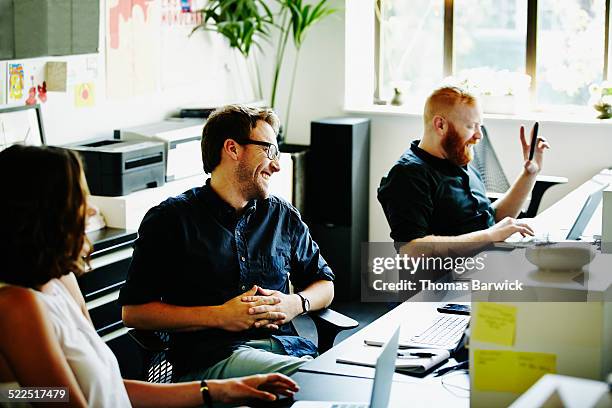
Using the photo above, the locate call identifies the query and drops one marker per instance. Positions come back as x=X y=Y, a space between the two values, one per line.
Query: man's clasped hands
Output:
x=259 y=308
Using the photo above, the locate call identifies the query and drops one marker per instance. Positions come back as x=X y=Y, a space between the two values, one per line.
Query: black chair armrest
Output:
x=329 y=323
x=149 y=340
x=542 y=184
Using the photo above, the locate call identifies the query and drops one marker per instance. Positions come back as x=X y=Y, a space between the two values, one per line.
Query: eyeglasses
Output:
x=270 y=148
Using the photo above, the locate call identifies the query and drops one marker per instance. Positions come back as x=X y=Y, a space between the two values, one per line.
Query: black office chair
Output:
x=154 y=345
x=496 y=183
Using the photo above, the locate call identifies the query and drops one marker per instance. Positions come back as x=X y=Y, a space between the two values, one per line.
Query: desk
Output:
x=324 y=379
x=592 y=283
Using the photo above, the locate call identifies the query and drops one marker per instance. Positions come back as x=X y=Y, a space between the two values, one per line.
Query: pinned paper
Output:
x=511 y=371
x=495 y=323
x=15 y=82
x=56 y=76
x=84 y=95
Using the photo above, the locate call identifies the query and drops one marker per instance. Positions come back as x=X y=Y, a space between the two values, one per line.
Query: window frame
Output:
x=530 y=51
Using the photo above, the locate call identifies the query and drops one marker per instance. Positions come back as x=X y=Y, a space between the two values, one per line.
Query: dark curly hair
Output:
x=231 y=122
x=43 y=208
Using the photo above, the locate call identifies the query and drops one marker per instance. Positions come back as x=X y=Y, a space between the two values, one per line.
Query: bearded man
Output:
x=212 y=265
x=433 y=194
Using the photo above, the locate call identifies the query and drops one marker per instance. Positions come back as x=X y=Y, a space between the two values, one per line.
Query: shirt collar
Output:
x=436 y=162
x=220 y=206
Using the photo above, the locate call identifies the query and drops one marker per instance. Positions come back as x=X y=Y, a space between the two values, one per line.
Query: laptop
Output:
x=381 y=389
x=575 y=233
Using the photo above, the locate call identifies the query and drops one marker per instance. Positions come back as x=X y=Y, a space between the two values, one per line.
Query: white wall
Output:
x=212 y=67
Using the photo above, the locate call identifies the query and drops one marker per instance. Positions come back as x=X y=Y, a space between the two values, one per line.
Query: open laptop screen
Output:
x=587 y=211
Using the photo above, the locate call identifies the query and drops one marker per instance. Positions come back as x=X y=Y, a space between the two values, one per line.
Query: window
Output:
x=413 y=37
x=560 y=44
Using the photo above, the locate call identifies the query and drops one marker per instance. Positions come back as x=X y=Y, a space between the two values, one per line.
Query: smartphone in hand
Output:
x=534 y=141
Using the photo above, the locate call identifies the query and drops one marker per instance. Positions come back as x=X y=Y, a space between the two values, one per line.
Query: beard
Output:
x=457 y=151
x=249 y=188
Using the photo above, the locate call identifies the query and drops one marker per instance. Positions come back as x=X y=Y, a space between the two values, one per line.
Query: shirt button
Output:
x=242 y=258
x=243 y=287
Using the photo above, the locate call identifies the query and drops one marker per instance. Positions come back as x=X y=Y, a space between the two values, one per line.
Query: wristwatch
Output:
x=305 y=303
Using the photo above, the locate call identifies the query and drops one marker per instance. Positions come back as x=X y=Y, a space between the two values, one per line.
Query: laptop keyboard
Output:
x=446 y=330
x=350 y=406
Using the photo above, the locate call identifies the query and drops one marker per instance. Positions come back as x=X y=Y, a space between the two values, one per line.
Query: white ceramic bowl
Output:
x=560 y=257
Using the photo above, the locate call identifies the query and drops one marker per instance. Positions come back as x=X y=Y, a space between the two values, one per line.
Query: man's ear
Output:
x=231 y=148
x=440 y=124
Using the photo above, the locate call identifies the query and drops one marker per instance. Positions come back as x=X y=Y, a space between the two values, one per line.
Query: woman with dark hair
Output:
x=46 y=335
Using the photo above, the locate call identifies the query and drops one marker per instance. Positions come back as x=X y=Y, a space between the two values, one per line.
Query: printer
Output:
x=118 y=167
x=181 y=138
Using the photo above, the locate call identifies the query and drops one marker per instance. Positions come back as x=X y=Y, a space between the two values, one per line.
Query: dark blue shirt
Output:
x=194 y=250
x=425 y=195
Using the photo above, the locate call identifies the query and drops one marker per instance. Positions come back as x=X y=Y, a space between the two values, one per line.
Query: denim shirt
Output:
x=425 y=195
x=195 y=250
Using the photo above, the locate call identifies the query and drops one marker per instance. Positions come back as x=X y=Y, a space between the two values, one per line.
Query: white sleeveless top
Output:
x=94 y=365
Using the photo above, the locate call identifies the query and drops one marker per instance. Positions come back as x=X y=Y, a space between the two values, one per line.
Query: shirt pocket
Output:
x=271 y=272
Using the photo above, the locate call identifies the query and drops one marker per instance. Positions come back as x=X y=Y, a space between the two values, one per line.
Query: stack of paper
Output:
x=405 y=362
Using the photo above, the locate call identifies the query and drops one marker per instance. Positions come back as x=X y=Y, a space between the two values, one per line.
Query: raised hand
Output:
x=533 y=166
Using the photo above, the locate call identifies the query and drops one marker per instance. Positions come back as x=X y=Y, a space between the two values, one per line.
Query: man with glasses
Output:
x=212 y=266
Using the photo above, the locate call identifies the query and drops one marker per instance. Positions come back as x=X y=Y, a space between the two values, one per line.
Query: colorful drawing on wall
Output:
x=132 y=48
x=42 y=92
x=124 y=9
x=85 y=95
x=15 y=82
x=181 y=13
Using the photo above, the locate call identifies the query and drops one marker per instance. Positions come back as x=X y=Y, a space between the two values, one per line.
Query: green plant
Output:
x=246 y=23
x=296 y=19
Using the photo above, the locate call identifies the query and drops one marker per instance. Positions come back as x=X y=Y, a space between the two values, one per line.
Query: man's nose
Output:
x=275 y=165
x=478 y=133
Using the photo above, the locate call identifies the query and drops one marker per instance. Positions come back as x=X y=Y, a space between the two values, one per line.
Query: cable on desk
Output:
x=457 y=390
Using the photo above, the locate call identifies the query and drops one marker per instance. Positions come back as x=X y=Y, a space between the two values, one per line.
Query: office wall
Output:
x=208 y=74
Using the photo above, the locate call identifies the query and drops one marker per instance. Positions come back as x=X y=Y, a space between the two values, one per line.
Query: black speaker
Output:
x=336 y=196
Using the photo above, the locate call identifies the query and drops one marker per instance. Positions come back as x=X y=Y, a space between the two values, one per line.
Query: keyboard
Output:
x=517 y=240
x=445 y=332
x=350 y=406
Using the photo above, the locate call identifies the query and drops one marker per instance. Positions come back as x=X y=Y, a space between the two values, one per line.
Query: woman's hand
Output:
x=261 y=386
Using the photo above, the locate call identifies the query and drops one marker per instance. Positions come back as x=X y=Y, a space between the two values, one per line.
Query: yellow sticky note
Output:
x=510 y=371
x=494 y=323
x=494 y=370
x=85 y=95
x=532 y=366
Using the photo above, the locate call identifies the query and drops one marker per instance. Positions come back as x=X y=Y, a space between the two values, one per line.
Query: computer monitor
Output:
x=21 y=125
x=586 y=213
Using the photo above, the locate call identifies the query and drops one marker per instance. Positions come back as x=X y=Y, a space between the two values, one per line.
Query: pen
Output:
x=444 y=370
x=416 y=354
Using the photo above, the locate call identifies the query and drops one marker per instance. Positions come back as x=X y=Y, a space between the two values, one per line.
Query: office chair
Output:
x=496 y=183
x=154 y=345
